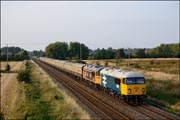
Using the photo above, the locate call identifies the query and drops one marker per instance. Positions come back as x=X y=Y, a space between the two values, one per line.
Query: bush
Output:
x=8 y=68
x=136 y=66
x=24 y=76
x=1 y=116
x=97 y=63
x=151 y=62
x=106 y=64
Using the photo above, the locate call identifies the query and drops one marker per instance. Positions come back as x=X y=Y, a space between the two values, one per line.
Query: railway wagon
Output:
x=48 y=60
x=128 y=85
x=54 y=62
x=74 y=68
x=92 y=74
x=60 y=64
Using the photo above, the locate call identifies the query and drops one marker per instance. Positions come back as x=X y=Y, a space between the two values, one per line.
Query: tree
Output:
x=57 y=50
x=78 y=51
x=140 y=53
x=23 y=55
x=14 y=53
x=165 y=50
x=110 y=53
x=85 y=51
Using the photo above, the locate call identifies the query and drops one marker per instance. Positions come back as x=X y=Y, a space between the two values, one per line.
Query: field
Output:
x=15 y=66
x=162 y=77
x=9 y=88
x=39 y=99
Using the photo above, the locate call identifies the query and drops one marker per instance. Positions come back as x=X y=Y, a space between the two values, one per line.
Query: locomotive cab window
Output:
x=139 y=80
x=117 y=81
x=130 y=81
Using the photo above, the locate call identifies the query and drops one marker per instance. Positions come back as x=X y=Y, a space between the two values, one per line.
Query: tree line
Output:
x=165 y=51
x=78 y=51
x=61 y=50
x=162 y=51
x=14 y=54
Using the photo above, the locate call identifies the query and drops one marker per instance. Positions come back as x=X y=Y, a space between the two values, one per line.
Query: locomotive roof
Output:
x=93 y=68
x=119 y=73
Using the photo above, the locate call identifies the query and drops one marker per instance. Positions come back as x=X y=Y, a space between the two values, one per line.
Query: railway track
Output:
x=160 y=112
x=102 y=107
x=105 y=111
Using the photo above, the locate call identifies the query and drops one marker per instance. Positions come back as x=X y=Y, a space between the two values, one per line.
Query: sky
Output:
x=32 y=25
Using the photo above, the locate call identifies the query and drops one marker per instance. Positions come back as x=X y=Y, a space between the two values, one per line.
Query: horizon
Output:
x=91 y=49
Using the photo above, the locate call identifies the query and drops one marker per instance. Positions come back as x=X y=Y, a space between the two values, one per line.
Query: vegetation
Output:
x=8 y=68
x=14 y=54
x=164 y=92
x=1 y=116
x=165 y=51
x=37 y=53
x=57 y=50
x=41 y=99
x=61 y=50
x=78 y=51
x=25 y=75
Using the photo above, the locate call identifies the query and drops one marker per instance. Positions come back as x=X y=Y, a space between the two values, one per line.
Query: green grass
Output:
x=1 y=116
x=165 y=91
x=44 y=101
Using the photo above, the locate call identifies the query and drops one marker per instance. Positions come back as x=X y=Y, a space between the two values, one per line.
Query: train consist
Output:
x=127 y=85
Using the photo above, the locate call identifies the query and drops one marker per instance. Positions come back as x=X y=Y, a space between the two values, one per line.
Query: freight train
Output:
x=129 y=86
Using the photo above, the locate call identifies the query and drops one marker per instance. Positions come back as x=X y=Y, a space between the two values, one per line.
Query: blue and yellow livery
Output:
x=128 y=85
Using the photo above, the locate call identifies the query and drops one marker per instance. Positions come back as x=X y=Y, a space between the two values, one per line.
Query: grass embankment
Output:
x=162 y=78
x=41 y=99
x=165 y=93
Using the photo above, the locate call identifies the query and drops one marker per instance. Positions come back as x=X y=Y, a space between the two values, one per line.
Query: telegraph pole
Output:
x=80 y=52
x=7 y=53
x=128 y=56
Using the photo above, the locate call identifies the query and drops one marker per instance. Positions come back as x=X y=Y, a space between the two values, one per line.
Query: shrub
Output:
x=131 y=64
x=151 y=62
x=24 y=76
x=1 y=116
x=136 y=66
x=97 y=63
x=157 y=63
x=106 y=63
x=8 y=68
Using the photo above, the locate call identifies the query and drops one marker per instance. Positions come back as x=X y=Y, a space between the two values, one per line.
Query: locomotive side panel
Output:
x=110 y=82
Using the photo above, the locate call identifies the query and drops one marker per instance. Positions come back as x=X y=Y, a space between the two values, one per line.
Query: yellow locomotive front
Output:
x=133 y=87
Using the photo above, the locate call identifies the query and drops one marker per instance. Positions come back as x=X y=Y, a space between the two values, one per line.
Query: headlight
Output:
x=143 y=90
x=129 y=90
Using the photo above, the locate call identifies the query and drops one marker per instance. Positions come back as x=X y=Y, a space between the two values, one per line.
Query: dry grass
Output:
x=15 y=66
x=8 y=94
x=12 y=92
x=63 y=106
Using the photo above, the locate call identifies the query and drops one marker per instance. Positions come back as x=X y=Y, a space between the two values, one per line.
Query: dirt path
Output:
x=8 y=90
